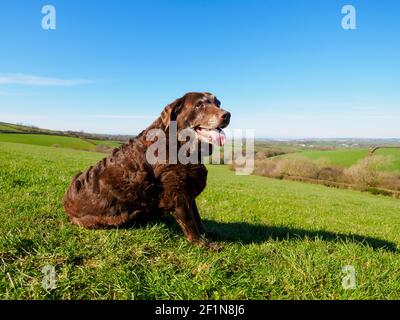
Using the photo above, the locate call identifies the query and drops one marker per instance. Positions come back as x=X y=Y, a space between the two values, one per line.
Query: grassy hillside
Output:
x=11 y=127
x=107 y=143
x=283 y=240
x=9 y=132
x=47 y=140
x=57 y=141
x=341 y=158
x=345 y=158
x=393 y=153
x=8 y=127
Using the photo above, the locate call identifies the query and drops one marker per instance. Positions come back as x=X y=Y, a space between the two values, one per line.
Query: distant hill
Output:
x=20 y=128
x=27 y=129
x=24 y=134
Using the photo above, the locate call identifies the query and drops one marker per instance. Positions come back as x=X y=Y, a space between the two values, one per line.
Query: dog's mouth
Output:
x=213 y=136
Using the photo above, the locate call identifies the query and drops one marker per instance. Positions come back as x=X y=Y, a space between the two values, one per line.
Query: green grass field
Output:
x=47 y=140
x=8 y=127
x=283 y=240
x=11 y=127
x=394 y=153
x=342 y=158
x=50 y=138
x=345 y=158
x=56 y=141
x=107 y=143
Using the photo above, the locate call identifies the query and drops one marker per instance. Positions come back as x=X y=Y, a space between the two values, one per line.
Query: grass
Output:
x=8 y=127
x=47 y=140
x=340 y=158
x=394 y=153
x=107 y=143
x=283 y=240
x=11 y=127
x=18 y=133
x=345 y=158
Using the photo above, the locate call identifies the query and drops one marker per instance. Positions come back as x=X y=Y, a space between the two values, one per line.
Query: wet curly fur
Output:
x=124 y=188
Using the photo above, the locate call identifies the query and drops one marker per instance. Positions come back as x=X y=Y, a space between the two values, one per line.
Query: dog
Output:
x=125 y=188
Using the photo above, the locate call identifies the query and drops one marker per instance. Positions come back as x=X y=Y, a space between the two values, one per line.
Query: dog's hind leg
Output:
x=102 y=221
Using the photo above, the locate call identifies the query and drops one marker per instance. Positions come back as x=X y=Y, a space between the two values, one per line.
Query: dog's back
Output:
x=114 y=191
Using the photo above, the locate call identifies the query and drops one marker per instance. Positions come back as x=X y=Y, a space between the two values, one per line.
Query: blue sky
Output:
x=284 y=68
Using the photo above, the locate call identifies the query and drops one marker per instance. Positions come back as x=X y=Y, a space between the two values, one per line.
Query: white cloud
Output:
x=32 y=80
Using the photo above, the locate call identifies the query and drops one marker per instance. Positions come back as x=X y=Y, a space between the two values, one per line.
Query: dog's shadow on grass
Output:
x=246 y=233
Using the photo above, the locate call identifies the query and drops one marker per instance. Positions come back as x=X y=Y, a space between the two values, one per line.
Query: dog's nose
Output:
x=226 y=116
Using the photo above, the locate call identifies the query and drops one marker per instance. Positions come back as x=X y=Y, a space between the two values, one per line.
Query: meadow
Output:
x=346 y=158
x=282 y=239
x=394 y=154
x=8 y=127
x=57 y=141
x=341 y=158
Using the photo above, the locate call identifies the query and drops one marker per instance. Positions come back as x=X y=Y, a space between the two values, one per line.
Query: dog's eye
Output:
x=199 y=104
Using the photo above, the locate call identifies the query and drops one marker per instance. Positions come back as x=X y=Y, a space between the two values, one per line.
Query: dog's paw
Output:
x=204 y=243
x=214 y=246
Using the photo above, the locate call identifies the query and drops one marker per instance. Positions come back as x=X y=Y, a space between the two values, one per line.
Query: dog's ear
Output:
x=171 y=112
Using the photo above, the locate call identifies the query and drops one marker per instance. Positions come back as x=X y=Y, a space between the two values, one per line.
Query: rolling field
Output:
x=55 y=141
x=283 y=240
x=8 y=127
x=341 y=158
x=47 y=140
x=107 y=143
x=345 y=158
x=394 y=154
x=11 y=127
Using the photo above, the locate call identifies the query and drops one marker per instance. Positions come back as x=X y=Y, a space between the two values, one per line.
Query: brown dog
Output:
x=125 y=187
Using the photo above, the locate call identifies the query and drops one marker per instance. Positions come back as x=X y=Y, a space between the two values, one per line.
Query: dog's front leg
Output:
x=197 y=218
x=209 y=234
x=187 y=221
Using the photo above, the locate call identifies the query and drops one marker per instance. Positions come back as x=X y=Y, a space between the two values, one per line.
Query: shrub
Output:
x=389 y=180
x=103 y=148
x=366 y=172
x=335 y=174
x=297 y=166
x=278 y=168
x=265 y=168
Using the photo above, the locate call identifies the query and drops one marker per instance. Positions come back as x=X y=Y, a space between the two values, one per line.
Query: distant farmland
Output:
x=19 y=133
x=394 y=153
x=345 y=158
x=56 y=141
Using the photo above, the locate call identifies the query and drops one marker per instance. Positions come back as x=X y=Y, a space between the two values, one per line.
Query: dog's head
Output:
x=201 y=112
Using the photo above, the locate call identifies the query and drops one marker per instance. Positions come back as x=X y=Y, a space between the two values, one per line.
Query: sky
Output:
x=286 y=69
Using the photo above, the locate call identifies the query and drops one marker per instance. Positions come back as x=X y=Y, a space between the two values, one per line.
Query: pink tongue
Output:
x=218 y=137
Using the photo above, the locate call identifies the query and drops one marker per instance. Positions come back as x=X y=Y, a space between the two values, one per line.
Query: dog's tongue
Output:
x=217 y=136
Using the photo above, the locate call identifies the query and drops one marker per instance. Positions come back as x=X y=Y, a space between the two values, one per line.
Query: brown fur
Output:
x=125 y=188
